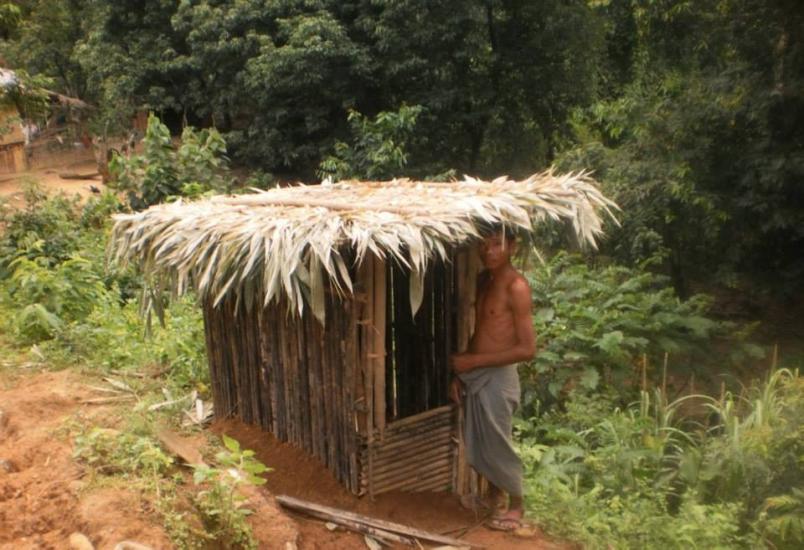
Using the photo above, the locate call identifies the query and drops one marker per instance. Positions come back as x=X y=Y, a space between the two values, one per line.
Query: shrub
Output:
x=199 y=165
x=47 y=298
x=45 y=228
x=220 y=505
x=599 y=322
x=378 y=149
x=112 y=452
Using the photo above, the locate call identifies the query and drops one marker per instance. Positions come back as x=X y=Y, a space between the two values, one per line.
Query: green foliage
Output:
x=43 y=39
x=27 y=95
x=648 y=475
x=110 y=452
x=10 y=17
x=221 y=506
x=44 y=229
x=782 y=519
x=97 y=210
x=379 y=147
x=86 y=311
x=697 y=143
x=113 y=337
x=161 y=171
x=278 y=77
x=754 y=454
x=49 y=297
x=595 y=323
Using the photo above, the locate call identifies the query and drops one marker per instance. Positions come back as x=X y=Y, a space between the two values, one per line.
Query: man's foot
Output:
x=508 y=521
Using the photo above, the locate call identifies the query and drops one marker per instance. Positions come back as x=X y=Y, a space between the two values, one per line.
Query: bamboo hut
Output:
x=331 y=310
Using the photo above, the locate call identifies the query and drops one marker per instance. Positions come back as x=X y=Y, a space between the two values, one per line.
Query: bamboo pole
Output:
x=329 y=394
x=437 y=440
x=378 y=348
x=350 y=419
x=467 y=270
x=418 y=462
x=366 y=340
x=397 y=528
x=406 y=438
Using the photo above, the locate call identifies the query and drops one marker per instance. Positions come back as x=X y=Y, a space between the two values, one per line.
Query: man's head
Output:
x=497 y=247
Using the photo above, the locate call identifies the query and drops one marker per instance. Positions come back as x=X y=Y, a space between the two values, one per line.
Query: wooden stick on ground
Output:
x=351 y=520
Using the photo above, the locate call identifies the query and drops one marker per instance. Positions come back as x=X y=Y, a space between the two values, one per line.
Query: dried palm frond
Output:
x=286 y=240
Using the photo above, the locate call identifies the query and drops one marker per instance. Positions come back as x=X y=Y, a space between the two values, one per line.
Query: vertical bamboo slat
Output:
x=350 y=423
x=366 y=342
x=378 y=347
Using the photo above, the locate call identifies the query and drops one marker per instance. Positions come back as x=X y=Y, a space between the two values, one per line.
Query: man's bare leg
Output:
x=507 y=518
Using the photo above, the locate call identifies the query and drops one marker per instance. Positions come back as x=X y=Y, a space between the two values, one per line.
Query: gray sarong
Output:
x=492 y=396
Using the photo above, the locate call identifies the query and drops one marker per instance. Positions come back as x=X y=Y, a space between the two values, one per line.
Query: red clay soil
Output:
x=299 y=475
x=43 y=498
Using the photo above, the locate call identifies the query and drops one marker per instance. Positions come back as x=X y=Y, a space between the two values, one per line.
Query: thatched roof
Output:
x=286 y=240
x=10 y=81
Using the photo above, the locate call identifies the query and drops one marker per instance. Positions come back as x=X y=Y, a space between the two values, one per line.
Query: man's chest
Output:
x=492 y=302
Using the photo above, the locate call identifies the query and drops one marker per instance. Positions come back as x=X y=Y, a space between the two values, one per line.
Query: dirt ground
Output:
x=50 y=179
x=298 y=475
x=45 y=496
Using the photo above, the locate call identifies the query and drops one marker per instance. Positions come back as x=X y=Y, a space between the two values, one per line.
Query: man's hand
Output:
x=455 y=390
x=462 y=362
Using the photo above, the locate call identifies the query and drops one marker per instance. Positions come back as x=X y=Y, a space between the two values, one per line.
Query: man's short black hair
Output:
x=508 y=232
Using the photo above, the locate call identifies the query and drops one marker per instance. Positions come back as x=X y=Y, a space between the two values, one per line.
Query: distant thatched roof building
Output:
x=22 y=107
x=392 y=269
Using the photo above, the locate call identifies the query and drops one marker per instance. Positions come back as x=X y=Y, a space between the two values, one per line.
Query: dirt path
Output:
x=44 y=496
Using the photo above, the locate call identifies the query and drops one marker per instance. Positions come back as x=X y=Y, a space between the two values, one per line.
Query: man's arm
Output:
x=525 y=348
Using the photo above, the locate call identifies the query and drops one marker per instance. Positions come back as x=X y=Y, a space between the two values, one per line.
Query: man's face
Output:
x=496 y=250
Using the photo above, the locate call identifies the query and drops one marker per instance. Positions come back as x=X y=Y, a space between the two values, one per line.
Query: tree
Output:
x=703 y=148
x=41 y=39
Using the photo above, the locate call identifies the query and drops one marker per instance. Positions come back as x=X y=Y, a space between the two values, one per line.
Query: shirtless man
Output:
x=487 y=372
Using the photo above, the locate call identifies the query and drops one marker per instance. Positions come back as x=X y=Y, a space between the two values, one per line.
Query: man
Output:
x=487 y=372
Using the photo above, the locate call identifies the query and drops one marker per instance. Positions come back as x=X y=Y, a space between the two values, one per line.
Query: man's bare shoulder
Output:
x=518 y=283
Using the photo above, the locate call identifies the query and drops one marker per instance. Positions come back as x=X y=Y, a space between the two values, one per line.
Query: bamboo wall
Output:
x=366 y=394
x=290 y=376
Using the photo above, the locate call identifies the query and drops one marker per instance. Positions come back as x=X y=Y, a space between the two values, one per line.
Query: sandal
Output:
x=506 y=523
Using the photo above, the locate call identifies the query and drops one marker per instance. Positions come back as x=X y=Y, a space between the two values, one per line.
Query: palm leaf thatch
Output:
x=288 y=240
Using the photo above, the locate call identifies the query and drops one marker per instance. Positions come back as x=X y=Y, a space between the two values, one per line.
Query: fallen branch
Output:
x=101 y=389
x=118 y=384
x=102 y=400
x=361 y=523
x=76 y=176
